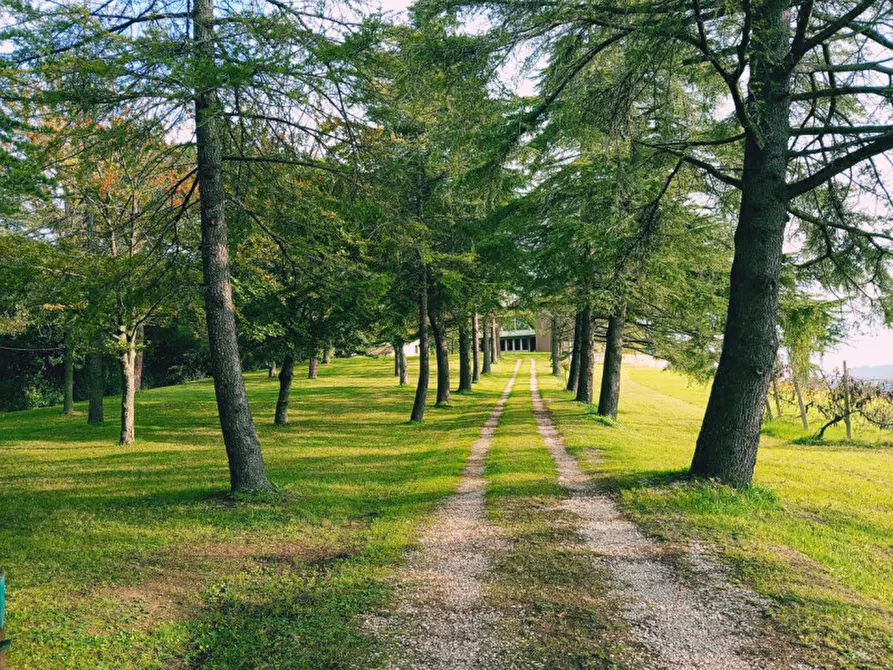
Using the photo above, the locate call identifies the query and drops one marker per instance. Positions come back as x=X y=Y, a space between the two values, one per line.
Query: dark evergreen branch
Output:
x=838 y=165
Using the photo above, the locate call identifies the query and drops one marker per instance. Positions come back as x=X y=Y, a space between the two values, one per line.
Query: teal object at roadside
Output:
x=2 y=600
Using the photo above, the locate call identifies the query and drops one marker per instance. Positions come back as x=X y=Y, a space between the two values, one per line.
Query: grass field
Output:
x=815 y=534
x=136 y=558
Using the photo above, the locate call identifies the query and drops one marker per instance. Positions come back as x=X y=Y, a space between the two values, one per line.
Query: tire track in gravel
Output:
x=711 y=626
x=442 y=621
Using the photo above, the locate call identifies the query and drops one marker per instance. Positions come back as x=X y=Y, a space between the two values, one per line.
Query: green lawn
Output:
x=136 y=558
x=815 y=534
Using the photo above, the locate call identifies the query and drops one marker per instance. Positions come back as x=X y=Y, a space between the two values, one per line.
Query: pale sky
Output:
x=873 y=346
x=872 y=349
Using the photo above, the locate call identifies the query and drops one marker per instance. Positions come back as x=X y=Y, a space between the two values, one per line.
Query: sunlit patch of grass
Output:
x=137 y=558
x=815 y=533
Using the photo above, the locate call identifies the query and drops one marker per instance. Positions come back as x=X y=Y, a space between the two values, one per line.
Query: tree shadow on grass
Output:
x=615 y=483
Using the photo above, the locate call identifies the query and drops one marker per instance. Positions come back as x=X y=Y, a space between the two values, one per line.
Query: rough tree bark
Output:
x=95 y=382
x=246 y=463
x=555 y=345
x=609 y=395
x=421 y=391
x=573 y=375
x=68 y=399
x=286 y=374
x=475 y=349
x=730 y=433
x=464 y=357
x=487 y=351
x=584 y=381
x=127 y=345
x=442 y=354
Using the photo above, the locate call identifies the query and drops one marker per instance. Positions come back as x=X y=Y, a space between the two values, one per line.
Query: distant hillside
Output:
x=883 y=372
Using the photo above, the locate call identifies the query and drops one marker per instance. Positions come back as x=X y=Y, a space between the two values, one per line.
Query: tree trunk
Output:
x=475 y=349
x=803 y=418
x=68 y=391
x=555 y=341
x=327 y=354
x=313 y=368
x=246 y=463
x=271 y=371
x=776 y=393
x=138 y=365
x=442 y=351
x=396 y=346
x=846 y=403
x=730 y=433
x=485 y=345
x=494 y=343
x=95 y=382
x=128 y=385
x=574 y=373
x=404 y=372
x=464 y=357
x=769 y=410
x=584 y=381
x=286 y=374
x=421 y=391
x=609 y=395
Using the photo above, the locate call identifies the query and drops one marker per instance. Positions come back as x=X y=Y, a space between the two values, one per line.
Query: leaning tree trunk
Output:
x=313 y=368
x=138 y=365
x=803 y=418
x=584 y=382
x=464 y=357
x=555 y=341
x=404 y=371
x=421 y=391
x=95 y=382
x=127 y=343
x=246 y=463
x=442 y=351
x=573 y=375
x=609 y=395
x=730 y=433
x=286 y=374
x=488 y=332
x=475 y=349
x=68 y=398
